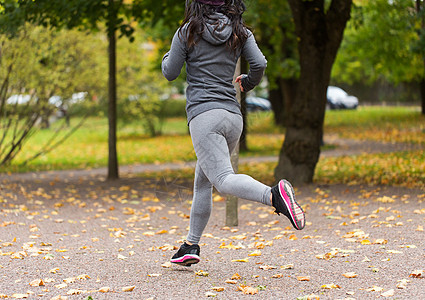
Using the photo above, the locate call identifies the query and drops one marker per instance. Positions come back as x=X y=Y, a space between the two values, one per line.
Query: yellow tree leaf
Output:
x=350 y=275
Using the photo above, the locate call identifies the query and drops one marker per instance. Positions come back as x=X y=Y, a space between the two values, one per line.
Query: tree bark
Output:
x=319 y=37
x=112 y=96
x=243 y=145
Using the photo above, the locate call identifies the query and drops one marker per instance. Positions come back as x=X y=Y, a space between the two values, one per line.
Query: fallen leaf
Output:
x=218 y=288
x=236 y=276
x=210 y=294
x=388 y=293
x=128 y=288
x=303 y=278
x=330 y=286
x=20 y=296
x=279 y=275
x=247 y=290
x=375 y=289
x=166 y=264
x=37 y=282
x=287 y=267
x=104 y=289
x=417 y=273
x=154 y=275
x=402 y=284
x=241 y=260
x=266 y=267
x=255 y=253
x=350 y=275
x=202 y=273
x=229 y=281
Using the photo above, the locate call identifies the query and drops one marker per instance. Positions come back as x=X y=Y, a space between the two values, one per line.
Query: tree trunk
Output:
x=422 y=88
x=276 y=100
x=243 y=145
x=112 y=97
x=232 y=201
x=319 y=37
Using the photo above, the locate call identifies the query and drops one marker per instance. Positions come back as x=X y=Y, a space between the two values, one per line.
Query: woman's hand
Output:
x=239 y=80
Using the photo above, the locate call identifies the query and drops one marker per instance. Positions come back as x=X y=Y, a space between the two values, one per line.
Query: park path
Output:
x=71 y=235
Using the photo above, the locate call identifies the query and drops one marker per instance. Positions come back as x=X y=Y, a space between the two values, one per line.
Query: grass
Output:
x=87 y=147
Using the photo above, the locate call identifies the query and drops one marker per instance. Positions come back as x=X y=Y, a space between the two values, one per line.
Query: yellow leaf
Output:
x=350 y=275
x=37 y=282
x=241 y=260
x=236 y=276
x=331 y=286
x=303 y=278
x=280 y=275
x=255 y=253
x=218 y=288
x=293 y=237
x=366 y=242
x=202 y=273
x=128 y=288
x=380 y=241
x=104 y=289
x=154 y=275
x=247 y=290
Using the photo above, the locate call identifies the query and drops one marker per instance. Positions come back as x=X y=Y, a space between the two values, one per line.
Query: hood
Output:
x=218 y=29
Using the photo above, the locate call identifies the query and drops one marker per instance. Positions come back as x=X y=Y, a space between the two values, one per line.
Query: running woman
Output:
x=210 y=40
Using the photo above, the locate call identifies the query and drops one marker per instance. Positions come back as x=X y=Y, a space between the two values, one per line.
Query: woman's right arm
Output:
x=257 y=64
x=173 y=60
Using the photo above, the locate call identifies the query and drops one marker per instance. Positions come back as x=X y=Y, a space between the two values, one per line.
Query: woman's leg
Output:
x=214 y=134
x=201 y=206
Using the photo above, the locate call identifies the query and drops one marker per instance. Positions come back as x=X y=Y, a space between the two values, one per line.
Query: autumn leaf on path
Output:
x=202 y=273
x=247 y=290
x=330 y=286
x=37 y=282
x=236 y=276
x=350 y=275
x=417 y=273
x=388 y=293
x=218 y=288
x=241 y=260
x=128 y=288
x=303 y=278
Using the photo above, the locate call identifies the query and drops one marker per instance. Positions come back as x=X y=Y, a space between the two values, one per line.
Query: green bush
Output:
x=174 y=108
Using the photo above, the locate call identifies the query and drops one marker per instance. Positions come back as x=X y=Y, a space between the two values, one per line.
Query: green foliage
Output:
x=275 y=32
x=378 y=43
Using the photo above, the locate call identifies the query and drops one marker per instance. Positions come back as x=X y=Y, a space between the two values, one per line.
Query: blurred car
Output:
x=337 y=98
x=257 y=104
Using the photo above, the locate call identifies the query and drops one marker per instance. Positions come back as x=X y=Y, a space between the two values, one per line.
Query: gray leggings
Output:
x=215 y=134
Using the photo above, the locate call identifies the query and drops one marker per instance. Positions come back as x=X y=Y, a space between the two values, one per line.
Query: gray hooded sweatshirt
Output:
x=210 y=67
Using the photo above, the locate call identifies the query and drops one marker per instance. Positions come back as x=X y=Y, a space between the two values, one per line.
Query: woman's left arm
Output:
x=173 y=60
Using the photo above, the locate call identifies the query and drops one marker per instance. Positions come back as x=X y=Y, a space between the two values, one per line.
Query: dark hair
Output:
x=196 y=14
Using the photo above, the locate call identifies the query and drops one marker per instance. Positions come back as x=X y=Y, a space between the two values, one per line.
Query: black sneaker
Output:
x=187 y=255
x=283 y=196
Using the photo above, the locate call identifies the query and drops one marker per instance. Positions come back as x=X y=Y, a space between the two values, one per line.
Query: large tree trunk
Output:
x=319 y=37
x=112 y=96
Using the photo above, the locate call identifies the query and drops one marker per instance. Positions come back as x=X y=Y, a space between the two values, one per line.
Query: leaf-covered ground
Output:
x=83 y=238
